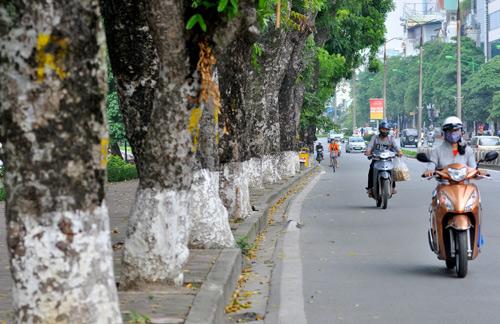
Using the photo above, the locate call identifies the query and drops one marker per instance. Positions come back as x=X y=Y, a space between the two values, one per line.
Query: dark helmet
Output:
x=383 y=125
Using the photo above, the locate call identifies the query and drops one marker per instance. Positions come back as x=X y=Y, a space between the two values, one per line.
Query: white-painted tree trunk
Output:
x=234 y=190
x=289 y=164
x=270 y=165
x=65 y=273
x=156 y=246
x=209 y=217
x=253 y=171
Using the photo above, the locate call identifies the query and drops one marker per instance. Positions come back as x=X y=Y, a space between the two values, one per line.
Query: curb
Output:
x=208 y=305
x=216 y=291
x=255 y=223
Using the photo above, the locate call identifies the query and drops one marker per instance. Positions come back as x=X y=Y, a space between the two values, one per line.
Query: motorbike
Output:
x=382 y=177
x=319 y=155
x=455 y=214
x=430 y=142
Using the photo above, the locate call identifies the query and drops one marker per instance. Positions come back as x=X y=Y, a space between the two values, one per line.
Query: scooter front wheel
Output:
x=461 y=258
x=385 y=193
x=451 y=263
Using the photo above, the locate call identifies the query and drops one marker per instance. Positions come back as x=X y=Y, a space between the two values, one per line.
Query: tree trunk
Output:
x=210 y=222
x=148 y=55
x=52 y=85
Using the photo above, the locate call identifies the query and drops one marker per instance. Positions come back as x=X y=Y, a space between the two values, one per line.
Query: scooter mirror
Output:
x=490 y=156
x=422 y=157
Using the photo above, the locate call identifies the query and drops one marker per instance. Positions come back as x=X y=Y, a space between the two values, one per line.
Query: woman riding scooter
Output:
x=453 y=149
x=455 y=213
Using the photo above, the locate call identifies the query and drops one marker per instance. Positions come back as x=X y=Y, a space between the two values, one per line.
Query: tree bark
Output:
x=148 y=54
x=53 y=132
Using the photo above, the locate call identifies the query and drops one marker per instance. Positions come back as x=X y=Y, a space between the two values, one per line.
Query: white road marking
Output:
x=291 y=293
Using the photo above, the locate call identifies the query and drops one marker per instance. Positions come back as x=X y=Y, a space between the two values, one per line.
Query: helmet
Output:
x=383 y=125
x=452 y=123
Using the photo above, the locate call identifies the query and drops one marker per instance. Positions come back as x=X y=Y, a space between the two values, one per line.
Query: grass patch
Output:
x=409 y=153
x=119 y=170
x=244 y=245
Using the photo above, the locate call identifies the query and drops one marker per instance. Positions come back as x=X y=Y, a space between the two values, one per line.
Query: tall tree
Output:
x=162 y=55
x=53 y=132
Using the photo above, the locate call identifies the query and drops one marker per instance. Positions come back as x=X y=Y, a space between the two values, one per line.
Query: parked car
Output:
x=485 y=142
x=355 y=144
x=409 y=136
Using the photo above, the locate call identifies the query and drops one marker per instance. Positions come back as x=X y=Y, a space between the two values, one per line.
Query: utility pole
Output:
x=459 y=65
x=420 y=77
x=384 y=115
x=486 y=36
x=353 y=100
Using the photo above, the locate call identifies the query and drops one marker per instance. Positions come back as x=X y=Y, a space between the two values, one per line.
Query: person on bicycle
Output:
x=334 y=149
x=381 y=142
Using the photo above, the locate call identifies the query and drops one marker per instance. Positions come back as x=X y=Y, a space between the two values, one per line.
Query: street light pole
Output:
x=459 y=66
x=353 y=100
x=384 y=115
x=420 y=77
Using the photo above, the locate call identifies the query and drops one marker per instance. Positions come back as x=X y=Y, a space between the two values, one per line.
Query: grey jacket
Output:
x=443 y=155
x=378 y=144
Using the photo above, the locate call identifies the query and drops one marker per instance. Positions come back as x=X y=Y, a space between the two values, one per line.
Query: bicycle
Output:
x=333 y=161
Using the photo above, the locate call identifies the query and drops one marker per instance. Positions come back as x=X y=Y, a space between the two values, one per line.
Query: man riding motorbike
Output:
x=319 y=152
x=381 y=142
x=453 y=149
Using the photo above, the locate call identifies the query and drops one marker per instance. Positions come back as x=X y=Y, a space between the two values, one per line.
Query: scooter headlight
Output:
x=470 y=202
x=385 y=155
x=447 y=202
x=457 y=174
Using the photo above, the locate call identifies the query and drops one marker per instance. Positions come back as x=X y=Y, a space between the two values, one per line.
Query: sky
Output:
x=393 y=24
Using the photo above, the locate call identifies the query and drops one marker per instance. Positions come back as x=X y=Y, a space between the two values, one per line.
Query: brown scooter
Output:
x=455 y=214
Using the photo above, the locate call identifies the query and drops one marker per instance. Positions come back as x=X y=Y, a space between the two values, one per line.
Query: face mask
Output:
x=453 y=137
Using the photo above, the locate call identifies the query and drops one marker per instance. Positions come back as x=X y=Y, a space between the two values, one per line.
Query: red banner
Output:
x=376 y=108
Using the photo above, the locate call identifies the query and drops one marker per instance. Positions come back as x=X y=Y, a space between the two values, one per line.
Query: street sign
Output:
x=376 y=108
x=450 y=5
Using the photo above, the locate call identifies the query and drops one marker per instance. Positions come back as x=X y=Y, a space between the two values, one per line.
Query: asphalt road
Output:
x=362 y=264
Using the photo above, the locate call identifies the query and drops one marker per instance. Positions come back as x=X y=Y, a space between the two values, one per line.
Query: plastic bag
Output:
x=401 y=170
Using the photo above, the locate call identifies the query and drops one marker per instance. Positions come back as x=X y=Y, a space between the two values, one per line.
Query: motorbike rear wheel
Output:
x=386 y=187
x=461 y=258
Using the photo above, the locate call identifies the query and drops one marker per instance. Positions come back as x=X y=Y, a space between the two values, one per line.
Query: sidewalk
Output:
x=210 y=275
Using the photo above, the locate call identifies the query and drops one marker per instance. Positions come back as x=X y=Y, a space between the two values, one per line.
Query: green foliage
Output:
x=256 y=53
x=209 y=8
x=480 y=90
x=439 y=82
x=119 y=170
x=116 y=127
x=196 y=19
x=138 y=318
x=409 y=153
x=2 y=193
x=244 y=245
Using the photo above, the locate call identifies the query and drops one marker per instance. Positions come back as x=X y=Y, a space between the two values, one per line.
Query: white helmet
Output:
x=452 y=122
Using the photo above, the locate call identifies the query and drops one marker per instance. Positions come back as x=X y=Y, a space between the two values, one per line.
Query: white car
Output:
x=355 y=144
